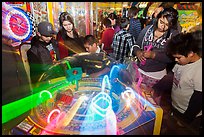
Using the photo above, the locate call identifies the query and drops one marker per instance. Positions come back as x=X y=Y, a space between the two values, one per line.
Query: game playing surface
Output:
x=85 y=120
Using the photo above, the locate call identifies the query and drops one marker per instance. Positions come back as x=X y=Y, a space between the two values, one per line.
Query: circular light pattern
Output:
x=18 y=24
x=50 y=114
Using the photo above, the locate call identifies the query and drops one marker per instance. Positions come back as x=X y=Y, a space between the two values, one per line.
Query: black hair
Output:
x=124 y=22
x=90 y=39
x=132 y=12
x=106 y=21
x=65 y=16
x=184 y=43
x=112 y=16
x=171 y=15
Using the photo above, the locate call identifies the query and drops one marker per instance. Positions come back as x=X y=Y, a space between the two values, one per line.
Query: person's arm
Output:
x=137 y=49
x=159 y=55
x=32 y=58
x=102 y=72
x=194 y=107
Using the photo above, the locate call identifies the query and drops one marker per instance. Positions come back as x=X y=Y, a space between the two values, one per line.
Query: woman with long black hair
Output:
x=69 y=41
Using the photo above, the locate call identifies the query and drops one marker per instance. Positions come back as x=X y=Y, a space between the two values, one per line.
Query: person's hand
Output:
x=140 y=55
x=94 y=75
x=149 y=54
x=55 y=62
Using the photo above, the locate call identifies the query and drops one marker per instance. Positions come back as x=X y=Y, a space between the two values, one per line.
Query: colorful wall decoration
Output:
x=39 y=11
x=188 y=19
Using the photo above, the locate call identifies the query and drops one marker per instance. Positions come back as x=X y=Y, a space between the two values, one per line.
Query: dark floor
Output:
x=171 y=124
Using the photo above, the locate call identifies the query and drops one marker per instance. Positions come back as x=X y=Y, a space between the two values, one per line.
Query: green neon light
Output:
x=68 y=65
x=16 y=108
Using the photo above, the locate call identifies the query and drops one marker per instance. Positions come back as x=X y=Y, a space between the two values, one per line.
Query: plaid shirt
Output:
x=122 y=43
x=135 y=27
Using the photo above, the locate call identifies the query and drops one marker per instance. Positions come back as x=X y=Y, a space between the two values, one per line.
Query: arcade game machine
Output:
x=20 y=25
x=69 y=102
x=17 y=28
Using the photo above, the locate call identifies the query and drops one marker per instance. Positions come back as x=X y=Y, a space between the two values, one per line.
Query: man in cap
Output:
x=43 y=52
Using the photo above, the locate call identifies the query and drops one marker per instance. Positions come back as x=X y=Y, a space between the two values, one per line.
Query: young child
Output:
x=91 y=45
x=187 y=82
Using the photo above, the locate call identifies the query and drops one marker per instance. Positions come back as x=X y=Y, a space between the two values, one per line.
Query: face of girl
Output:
x=68 y=26
x=163 y=24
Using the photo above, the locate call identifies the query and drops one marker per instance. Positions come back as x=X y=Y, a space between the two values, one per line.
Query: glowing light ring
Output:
x=128 y=95
x=96 y=108
x=139 y=97
x=50 y=114
x=45 y=91
x=15 y=11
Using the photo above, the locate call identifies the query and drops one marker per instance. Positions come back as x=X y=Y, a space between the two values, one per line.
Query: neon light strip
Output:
x=146 y=48
x=143 y=101
x=105 y=82
x=23 y=105
x=50 y=114
x=68 y=65
x=45 y=91
x=113 y=68
x=97 y=108
x=111 y=123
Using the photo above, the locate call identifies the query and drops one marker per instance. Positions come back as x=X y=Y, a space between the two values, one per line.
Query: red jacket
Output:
x=107 y=39
x=62 y=49
x=70 y=46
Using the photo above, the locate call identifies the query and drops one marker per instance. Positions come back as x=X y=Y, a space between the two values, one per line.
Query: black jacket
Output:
x=39 y=57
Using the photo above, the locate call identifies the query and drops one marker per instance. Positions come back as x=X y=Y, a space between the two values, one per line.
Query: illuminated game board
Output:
x=76 y=104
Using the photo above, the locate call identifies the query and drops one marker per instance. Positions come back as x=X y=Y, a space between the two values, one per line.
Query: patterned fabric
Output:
x=135 y=27
x=145 y=38
x=148 y=81
x=122 y=43
x=33 y=23
x=52 y=52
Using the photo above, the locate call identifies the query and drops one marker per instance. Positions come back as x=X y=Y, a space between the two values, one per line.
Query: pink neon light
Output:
x=146 y=48
x=138 y=75
x=50 y=114
x=140 y=80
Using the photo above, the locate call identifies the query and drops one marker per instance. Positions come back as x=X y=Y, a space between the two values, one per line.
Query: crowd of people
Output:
x=155 y=46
